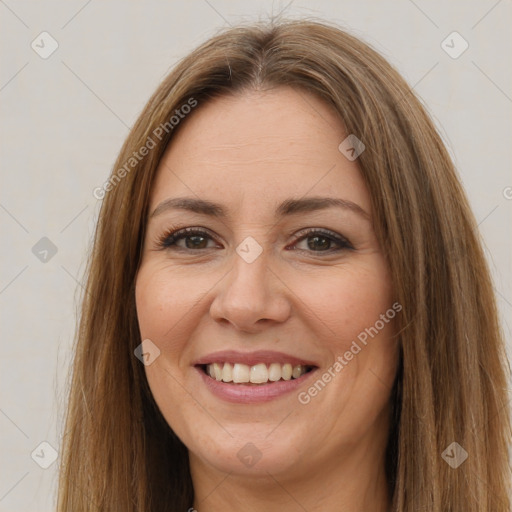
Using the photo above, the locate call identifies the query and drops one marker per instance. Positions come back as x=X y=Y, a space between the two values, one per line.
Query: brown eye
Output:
x=323 y=241
x=194 y=239
x=320 y=242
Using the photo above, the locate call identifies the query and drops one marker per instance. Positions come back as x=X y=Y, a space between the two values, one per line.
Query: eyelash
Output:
x=168 y=240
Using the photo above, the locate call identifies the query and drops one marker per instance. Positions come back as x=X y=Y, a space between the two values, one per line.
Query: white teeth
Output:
x=259 y=373
x=227 y=372
x=240 y=373
x=274 y=372
x=256 y=374
x=286 y=371
x=217 y=371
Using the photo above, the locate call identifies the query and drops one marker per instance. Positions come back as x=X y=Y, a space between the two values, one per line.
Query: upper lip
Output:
x=252 y=358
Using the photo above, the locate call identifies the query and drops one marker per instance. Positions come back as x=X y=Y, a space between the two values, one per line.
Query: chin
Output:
x=246 y=455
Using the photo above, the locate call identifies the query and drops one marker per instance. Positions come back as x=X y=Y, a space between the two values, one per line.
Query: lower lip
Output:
x=250 y=394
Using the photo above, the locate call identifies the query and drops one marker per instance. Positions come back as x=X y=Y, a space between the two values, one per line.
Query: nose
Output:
x=251 y=297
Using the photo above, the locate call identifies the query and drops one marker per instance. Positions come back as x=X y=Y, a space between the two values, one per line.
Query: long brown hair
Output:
x=118 y=453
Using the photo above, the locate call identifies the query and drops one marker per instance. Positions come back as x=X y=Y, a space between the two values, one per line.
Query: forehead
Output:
x=257 y=147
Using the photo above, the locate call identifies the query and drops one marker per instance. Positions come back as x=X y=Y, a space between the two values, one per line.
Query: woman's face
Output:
x=284 y=276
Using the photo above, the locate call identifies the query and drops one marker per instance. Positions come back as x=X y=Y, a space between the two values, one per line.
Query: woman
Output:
x=288 y=306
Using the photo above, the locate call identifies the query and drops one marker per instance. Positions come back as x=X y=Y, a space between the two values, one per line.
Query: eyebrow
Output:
x=286 y=208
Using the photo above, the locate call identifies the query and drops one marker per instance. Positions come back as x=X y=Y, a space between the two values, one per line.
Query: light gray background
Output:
x=64 y=118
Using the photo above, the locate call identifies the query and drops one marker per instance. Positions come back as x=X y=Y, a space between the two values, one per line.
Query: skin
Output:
x=249 y=152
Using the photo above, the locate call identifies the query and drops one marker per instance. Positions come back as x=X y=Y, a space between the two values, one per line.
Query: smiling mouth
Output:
x=258 y=374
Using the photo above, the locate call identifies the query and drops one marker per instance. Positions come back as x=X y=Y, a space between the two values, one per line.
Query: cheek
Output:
x=163 y=315
x=349 y=307
x=164 y=304
x=354 y=325
x=164 y=301
x=347 y=302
